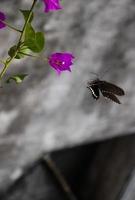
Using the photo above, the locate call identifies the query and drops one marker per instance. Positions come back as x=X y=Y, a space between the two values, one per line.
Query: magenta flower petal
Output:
x=51 y=5
x=2 y=17
x=61 y=61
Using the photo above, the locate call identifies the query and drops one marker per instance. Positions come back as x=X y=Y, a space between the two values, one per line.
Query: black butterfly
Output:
x=107 y=89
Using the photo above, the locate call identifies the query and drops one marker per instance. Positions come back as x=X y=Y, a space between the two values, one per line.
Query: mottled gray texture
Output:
x=48 y=112
x=101 y=170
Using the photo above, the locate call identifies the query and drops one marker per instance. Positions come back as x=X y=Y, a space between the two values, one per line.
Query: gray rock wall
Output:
x=48 y=112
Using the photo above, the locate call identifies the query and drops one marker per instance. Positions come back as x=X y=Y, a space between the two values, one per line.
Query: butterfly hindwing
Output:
x=111 y=88
x=111 y=96
x=107 y=89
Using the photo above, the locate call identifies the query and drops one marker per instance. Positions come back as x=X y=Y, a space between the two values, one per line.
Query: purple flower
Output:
x=51 y=5
x=61 y=61
x=2 y=18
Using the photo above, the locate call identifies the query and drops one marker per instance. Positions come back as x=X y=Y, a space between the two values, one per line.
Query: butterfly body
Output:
x=107 y=89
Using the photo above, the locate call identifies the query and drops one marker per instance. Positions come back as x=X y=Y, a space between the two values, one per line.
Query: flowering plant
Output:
x=31 y=42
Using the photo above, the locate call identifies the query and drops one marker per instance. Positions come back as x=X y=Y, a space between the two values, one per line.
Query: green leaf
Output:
x=40 y=41
x=26 y=14
x=12 y=51
x=17 y=78
x=22 y=50
x=29 y=32
x=36 y=44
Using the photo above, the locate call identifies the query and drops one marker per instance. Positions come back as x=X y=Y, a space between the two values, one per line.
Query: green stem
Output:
x=4 y=69
x=2 y=61
x=30 y=55
x=9 y=60
x=27 y=21
x=10 y=26
x=34 y=56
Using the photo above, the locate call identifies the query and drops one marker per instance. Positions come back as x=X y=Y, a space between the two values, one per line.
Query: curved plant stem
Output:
x=10 y=26
x=5 y=68
x=2 y=61
x=10 y=59
x=27 y=21
x=34 y=56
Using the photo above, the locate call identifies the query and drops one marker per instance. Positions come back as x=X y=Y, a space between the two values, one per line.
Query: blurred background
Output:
x=47 y=113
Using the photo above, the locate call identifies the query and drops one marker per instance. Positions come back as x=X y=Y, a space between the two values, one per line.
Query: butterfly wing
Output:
x=94 y=91
x=111 y=88
x=111 y=96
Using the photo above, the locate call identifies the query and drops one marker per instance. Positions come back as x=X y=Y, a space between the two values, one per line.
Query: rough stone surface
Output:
x=48 y=112
x=101 y=170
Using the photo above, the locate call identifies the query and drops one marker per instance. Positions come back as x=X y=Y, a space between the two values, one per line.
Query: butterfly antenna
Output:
x=105 y=71
x=95 y=74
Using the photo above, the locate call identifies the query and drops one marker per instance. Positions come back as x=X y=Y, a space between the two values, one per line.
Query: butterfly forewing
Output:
x=107 y=89
x=111 y=88
x=94 y=90
x=111 y=96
